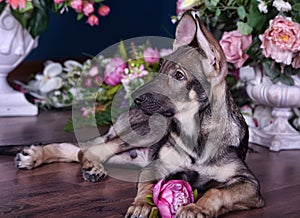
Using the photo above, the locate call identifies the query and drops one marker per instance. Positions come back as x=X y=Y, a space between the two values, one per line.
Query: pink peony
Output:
x=234 y=43
x=169 y=196
x=88 y=8
x=93 y=20
x=281 y=40
x=17 y=4
x=77 y=5
x=114 y=71
x=104 y=10
x=151 y=55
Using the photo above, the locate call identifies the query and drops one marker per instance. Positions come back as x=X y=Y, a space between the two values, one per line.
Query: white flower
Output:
x=49 y=80
x=262 y=6
x=281 y=5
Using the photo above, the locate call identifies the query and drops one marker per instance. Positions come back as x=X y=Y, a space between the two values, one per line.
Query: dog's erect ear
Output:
x=185 y=31
x=216 y=68
x=190 y=30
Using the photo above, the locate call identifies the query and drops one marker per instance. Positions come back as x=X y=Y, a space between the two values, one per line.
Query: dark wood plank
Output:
x=58 y=189
x=35 y=129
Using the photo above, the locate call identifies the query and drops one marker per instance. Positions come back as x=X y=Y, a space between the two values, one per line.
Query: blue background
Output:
x=68 y=38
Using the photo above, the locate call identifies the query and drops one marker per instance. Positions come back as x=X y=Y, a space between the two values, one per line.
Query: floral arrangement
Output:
x=94 y=84
x=254 y=33
x=169 y=196
x=34 y=14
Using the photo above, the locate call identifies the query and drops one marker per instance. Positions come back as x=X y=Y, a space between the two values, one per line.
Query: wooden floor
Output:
x=57 y=190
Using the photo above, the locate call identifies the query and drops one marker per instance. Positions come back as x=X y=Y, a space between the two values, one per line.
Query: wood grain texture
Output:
x=58 y=190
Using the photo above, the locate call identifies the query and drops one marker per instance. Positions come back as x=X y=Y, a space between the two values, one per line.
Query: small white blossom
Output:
x=281 y=5
x=262 y=6
x=49 y=80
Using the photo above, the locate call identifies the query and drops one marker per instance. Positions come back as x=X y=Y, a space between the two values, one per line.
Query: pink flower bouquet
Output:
x=34 y=15
x=256 y=32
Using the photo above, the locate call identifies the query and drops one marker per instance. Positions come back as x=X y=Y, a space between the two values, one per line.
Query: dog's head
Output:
x=191 y=73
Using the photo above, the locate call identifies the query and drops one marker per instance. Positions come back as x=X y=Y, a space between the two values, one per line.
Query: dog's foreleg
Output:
x=36 y=155
x=140 y=207
x=241 y=194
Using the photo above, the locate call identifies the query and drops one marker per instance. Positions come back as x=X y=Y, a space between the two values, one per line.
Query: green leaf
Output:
x=39 y=19
x=287 y=80
x=2 y=6
x=122 y=51
x=113 y=90
x=23 y=18
x=218 y=12
x=154 y=213
x=149 y=199
x=214 y=3
x=241 y=12
x=296 y=7
x=270 y=72
x=80 y=16
x=195 y=193
x=69 y=126
x=244 y=28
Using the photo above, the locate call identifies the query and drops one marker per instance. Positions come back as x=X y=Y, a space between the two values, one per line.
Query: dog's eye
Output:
x=178 y=75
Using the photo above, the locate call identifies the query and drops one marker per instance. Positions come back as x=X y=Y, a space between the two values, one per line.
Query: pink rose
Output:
x=151 y=55
x=77 y=5
x=234 y=43
x=281 y=40
x=114 y=71
x=169 y=196
x=104 y=10
x=88 y=8
x=93 y=20
x=17 y=4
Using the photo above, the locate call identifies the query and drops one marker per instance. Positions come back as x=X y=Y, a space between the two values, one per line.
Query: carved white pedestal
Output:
x=15 y=45
x=279 y=135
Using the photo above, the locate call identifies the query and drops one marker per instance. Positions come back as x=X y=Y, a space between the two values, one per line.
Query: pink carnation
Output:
x=151 y=55
x=93 y=20
x=169 y=196
x=88 y=8
x=77 y=5
x=281 y=40
x=104 y=10
x=17 y=4
x=114 y=71
x=234 y=43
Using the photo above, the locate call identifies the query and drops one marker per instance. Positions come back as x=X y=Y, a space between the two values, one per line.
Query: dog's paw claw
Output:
x=191 y=210
x=140 y=209
x=29 y=158
x=94 y=174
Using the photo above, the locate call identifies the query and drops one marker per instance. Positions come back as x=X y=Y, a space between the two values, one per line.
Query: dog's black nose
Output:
x=140 y=99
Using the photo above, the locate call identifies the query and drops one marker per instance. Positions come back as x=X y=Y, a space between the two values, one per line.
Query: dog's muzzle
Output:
x=154 y=103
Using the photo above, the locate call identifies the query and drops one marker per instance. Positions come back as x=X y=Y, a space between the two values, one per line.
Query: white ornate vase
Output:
x=15 y=45
x=279 y=134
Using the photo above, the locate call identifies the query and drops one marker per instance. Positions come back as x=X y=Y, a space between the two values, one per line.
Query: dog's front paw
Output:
x=29 y=157
x=140 y=209
x=93 y=172
x=190 y=211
